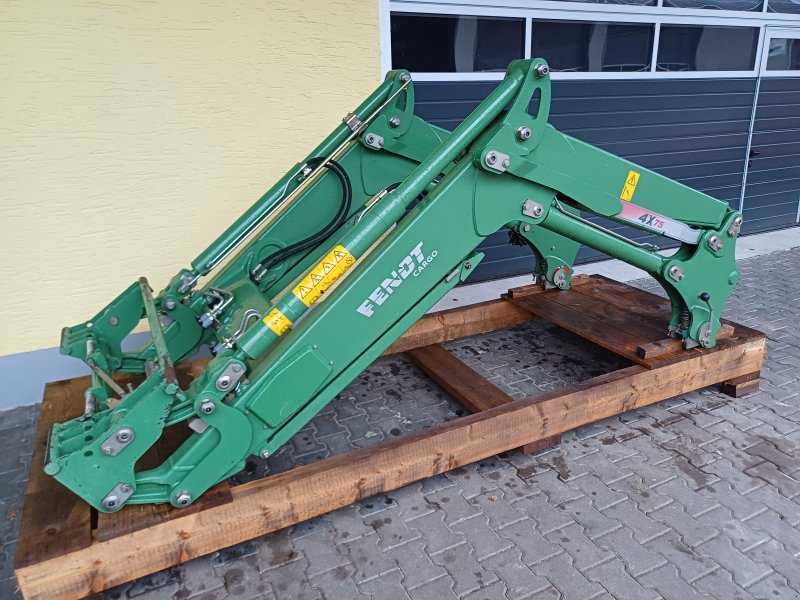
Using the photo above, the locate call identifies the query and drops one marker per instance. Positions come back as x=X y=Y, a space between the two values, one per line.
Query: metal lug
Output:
x=117 y=441
x=497 y=161
x=715 y=243
x=676 y=272
x=117 y=497
x=533 y=209
x=736 y=227
x=197 y=425
x=229 y=377
x=374 y=141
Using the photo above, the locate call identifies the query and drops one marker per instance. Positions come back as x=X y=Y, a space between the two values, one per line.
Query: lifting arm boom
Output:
x=343 y=255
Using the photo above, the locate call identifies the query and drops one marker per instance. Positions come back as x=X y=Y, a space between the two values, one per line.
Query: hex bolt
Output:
x=124 y=435
x=537 y=210
x=124 y=488
x=491 y=158
x=394 y=122
x=370 y=139
x=405 y=77
x=265 y=454
x=526 y=228
x=380 y=143
x=170 y=304
x=541 y=70
x=236 y=368
x=110 y=502
x=107 y=450
x=184 y=498
x=506 y=162
x=224 y=382
x=523 y=133
x=207 y=407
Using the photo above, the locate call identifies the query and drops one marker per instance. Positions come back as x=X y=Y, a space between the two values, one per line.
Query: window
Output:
x=454 y=43
x=589 y=46
x=748 y=5
x=636 y=2
x=784 y=54
x=699 y=48
x=784 y=6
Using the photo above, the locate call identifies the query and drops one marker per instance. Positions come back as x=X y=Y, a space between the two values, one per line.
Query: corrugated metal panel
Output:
x=694 y=131
x=773 y=182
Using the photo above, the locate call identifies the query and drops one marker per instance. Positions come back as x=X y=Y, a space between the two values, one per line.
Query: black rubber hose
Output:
x=315 y=239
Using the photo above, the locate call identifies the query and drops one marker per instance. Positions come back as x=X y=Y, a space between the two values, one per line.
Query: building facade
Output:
x=135 y=132
x=706 y=92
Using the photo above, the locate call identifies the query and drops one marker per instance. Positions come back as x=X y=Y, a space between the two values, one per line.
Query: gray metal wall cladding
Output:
x=773 y=181
x=694 y=131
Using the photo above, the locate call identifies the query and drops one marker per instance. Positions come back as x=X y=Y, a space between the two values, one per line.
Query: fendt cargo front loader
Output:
x=339 y=258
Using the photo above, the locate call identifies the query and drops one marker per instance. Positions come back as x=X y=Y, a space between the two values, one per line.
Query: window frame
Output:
x=578 y=11
x=778 y=32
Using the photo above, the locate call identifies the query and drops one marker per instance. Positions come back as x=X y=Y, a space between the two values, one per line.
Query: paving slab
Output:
x=695 y=497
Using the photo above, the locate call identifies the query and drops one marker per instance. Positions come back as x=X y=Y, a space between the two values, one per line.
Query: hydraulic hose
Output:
x=318 y=237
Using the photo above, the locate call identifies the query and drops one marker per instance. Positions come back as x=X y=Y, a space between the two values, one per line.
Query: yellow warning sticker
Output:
x=630 y=186
x=324 y=275
x=277 y=321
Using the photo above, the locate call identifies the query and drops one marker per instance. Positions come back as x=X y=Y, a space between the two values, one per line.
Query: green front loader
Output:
x=336 y=261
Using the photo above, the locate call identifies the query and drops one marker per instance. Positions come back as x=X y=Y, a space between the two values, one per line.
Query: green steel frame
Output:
x=289 y=335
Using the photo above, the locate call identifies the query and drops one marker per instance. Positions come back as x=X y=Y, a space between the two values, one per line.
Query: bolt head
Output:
x=183 y=498
x=526 y=228
x=265 y=454
x=467 y=265
x=224 y=382
x=236 y=368
x=394 y=122
x=107 y=450
x=124 y=435
x=170 y=304
x=113 y=321
x=506 y=162
x=125 y=488
x=110 y=502
x=405 y=77
x=207 y=407
x=491 y=158
x=523 y=133
x=541 y=71
x=537 y=210
x=370 y=138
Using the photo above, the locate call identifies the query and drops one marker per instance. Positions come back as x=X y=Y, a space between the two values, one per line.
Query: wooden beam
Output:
x=471 y=389
x=263 y=506
x=456 y=323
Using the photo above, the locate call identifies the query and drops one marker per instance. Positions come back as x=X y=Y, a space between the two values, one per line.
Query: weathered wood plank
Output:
x=670 y=346
x=302 y=493
x=54 y=522
x=471 y=389
x=456 y=323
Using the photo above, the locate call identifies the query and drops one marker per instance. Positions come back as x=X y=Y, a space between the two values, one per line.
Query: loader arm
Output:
x=342 y=256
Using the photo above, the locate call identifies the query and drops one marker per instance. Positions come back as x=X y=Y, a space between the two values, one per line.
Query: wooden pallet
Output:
x=67 y=550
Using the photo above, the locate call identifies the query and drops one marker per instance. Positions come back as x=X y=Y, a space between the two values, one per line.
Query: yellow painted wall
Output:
x=132 y=133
